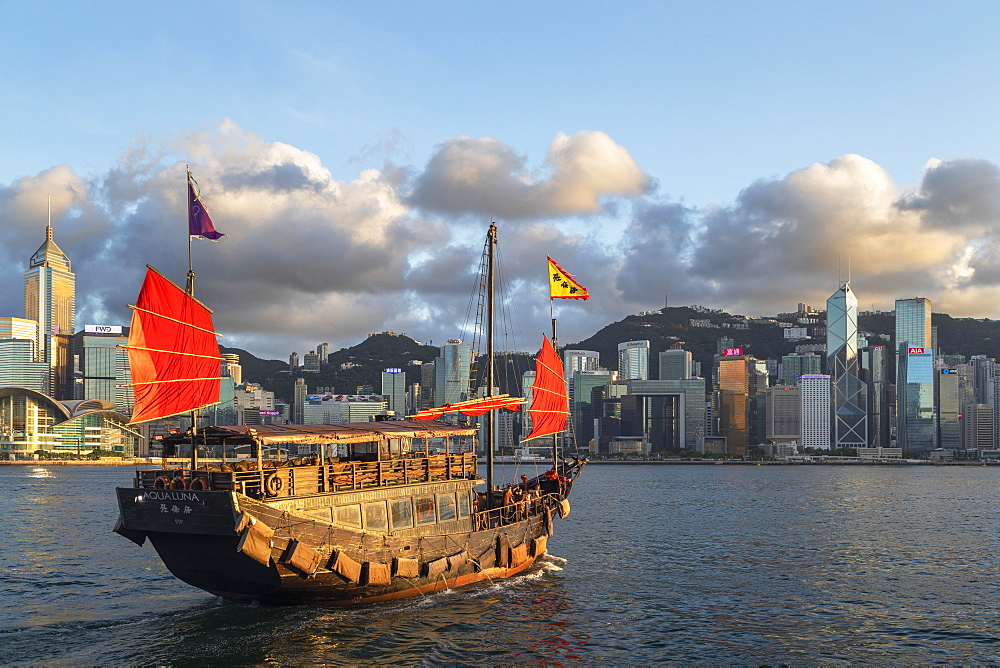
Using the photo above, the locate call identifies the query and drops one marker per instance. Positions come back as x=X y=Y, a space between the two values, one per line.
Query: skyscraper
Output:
x=849 y=395
x=451 y=371
x=676 y=364
x=916 y=417
x=49 y=299
x=815 y=393
x=633 y=360
x=394 y=388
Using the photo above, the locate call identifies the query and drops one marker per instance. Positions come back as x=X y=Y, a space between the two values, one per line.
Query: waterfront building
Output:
x=849 y=395
x=873 y=363
x=949 y=409
x=394 y=390
x=676 y=364
x=916 y=418
x=784 y=413
x=668 y=414
x=103 y=370
x=582 y=408
x=732 y=400
x=815 y=394
x=49 y=300
x=977 y=426
x=633 y=360
x=32 y=421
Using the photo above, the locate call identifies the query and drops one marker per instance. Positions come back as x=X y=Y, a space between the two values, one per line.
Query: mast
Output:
x=491 y=243
x=555 y=436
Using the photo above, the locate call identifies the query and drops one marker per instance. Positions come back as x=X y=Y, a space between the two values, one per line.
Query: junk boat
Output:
x=369 y=516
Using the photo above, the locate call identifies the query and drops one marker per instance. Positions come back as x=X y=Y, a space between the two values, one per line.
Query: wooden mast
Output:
x=491 y=243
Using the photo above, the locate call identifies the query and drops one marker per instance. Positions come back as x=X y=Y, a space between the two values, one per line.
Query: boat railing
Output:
x=515 y=511
x=277 y=479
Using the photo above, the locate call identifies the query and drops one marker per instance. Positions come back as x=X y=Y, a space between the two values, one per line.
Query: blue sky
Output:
x=728 y=110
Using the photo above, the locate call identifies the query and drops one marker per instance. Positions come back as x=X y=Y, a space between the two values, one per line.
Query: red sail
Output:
x=471 y=407
x=172 y=351
x=549 y=399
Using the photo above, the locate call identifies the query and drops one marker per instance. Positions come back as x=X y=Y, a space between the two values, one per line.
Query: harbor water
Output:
x=794 y=565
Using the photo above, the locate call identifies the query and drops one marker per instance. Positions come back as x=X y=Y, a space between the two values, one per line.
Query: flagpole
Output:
x=190 y=291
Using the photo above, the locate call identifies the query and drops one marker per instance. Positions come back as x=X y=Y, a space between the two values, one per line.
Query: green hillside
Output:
x=663 y=329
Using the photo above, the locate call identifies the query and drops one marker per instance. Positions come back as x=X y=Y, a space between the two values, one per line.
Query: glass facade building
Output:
x=49 y=300
x=916 y=415
x=633 y=360
x=849 y=395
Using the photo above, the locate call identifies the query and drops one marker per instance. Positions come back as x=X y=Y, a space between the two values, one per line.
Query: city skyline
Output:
x=729 y=163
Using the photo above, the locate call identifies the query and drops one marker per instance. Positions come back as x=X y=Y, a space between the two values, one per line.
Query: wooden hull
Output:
x=202 y=538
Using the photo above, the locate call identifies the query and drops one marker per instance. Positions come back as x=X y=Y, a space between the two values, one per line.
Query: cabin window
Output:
x=401 y=514
x=463 y=506
x=424 y=506
x=349 y=516
x=446 y=507
x=375 y=517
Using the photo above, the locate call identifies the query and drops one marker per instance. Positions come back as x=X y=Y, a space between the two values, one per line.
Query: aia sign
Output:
x=916 y=351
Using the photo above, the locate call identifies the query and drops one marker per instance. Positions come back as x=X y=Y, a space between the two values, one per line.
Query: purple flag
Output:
x=199 y=222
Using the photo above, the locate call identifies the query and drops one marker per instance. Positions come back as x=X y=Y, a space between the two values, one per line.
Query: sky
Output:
x=742 y=156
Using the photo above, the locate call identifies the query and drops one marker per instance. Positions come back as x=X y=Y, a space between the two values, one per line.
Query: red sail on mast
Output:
x=471 y=407
x=549 y=399
x=172 y=351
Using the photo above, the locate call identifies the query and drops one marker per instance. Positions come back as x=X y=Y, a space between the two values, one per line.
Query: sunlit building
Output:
x=31 y=421
x=633 y=360
x=49 y=300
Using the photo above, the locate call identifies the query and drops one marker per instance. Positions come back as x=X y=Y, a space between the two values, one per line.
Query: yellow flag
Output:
x=562 y=285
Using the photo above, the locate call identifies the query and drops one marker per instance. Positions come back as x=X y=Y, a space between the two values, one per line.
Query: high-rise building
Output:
x=104 y=371
x=916 y=419
x=49 y=299
x=978 y=426
x=668 y=414
x=815 y=394
x=799 y=364
x=231 y=367
x=394 y=389
x=732 y=401
x=582 y=409
x=300 y=399
x=17 y=368
x=949 y=409
x=293 y=361
x=874 y=370
x=633 y=360
x=578 y=360
x=451 y=374
x=784 y=413
x=427 y=382
x=676 y=364
x=323 y=351
x=849 y=395
x=310 y=363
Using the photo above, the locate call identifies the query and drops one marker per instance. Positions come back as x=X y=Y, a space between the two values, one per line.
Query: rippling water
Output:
x=656 y=564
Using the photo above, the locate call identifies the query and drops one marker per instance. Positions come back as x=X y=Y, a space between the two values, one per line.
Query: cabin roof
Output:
x=318 y=434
